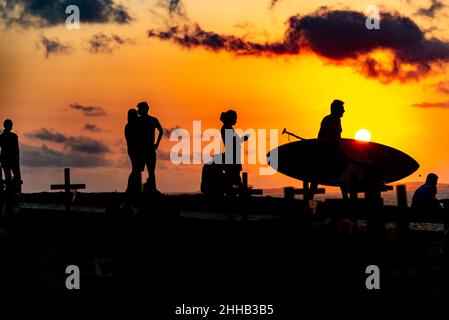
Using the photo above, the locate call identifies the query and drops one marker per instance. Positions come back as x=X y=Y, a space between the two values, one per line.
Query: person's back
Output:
x=132 y=132
x=9 y=142
x=331 y=124
x=330 y=128
x=148 y=125
x=9 y=156
x=425 y=196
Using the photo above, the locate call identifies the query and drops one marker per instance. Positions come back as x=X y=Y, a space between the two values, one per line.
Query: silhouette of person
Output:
x=232 y=155
x=9 y=157
x=425 y=196
x=147 y=127
x=331 y=129
x=331 y=124
x=132 y=136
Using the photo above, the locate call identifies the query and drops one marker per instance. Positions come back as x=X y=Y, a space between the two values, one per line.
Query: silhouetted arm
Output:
x=159 y=137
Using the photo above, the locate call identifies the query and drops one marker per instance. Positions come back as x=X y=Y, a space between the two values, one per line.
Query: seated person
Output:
x=425 y=195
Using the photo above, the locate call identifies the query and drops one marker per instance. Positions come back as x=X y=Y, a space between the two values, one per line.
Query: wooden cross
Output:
x=67 y=187
x=246 y=190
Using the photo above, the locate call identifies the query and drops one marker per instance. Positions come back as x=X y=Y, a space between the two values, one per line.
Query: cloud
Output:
x=47 y=135
x=427 y=105
x=89 y=111
x=443 y=87
x=101 y=43
x=430 y=12
x=54 y=46
x=44 y=156
x=86 y=145
x=45 y=13
x=91 y=127
x=79 y=144
x=339 y=36
x=173 y=6
x=168 y=131
x=274 y=3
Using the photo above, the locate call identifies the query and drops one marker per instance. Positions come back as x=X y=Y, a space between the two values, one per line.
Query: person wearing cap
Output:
x=425 y=195
x=9 y=156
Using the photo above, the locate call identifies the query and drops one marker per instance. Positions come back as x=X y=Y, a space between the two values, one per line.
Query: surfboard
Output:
x=333 y=162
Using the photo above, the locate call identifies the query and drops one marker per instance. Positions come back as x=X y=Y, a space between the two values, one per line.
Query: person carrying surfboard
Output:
x=331 y=124
x=331 y=129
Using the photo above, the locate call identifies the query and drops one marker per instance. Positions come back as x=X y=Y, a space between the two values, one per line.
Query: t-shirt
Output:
x=424 y=197
x=147 y=126
x=330 y=128
x=9 y=142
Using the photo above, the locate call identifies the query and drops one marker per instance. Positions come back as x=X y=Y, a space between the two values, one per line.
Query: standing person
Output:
x=425 y=196
x=132 y=135
x=9 y=157
x=331 y=129
x=232 y=141
x=147 y=127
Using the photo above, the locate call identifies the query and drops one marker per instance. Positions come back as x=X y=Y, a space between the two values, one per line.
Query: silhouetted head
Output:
x=143 y=107
x=432 y=179
x=7 y=124
x=132 y=115
x=229 y=117
x=337 y=108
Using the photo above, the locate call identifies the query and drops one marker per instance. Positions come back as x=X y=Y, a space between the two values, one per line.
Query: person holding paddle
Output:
x=331 y=129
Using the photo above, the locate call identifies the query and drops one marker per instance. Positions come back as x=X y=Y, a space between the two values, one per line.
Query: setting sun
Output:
x=363 y=135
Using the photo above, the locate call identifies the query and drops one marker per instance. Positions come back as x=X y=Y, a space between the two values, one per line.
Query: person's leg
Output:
x=17 y=180
x=151 y=167
x=135 y=177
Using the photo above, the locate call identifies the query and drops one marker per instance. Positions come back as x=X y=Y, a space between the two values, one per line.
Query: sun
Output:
x=363 y=135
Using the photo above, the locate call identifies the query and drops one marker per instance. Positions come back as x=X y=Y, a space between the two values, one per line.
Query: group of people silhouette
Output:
x=220 y=177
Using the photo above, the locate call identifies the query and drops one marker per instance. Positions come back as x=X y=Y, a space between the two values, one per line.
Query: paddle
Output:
x=292 y=134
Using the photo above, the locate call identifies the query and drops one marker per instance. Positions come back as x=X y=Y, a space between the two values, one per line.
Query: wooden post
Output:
x=305 y=187
x=245 y=182
x=353 y=195
x=401 y=193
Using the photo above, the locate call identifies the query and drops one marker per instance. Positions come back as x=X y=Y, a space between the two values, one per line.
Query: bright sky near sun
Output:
x=51 y=75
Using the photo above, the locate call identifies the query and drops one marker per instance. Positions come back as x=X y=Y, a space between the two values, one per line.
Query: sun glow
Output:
x=363 y=135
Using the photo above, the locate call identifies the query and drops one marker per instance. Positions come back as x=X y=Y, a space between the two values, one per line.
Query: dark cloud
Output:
x=86 y=145
x=168 y=131
x=427 y=105
x=44 y=156
x=47 y=135
x=431 y=11
x=89 y=111
x=43 y=13
x=173 y=6
x=91 y=127
x=274 y=3
x=340 y=36
x=79 y=144
x=443 y=87
x=53 y=46
x=101 y=43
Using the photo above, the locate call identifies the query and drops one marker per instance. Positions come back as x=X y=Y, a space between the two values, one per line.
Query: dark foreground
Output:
x=174 y=251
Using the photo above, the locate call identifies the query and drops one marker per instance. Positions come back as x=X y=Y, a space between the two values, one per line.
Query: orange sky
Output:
x=184 y=85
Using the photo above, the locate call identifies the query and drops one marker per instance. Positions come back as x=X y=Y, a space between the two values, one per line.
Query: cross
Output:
x=67 y=187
